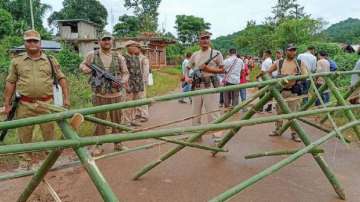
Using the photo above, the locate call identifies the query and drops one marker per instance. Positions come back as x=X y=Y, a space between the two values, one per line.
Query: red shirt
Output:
x=244 y=74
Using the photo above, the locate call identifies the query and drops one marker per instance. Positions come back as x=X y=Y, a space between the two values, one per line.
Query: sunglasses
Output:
x=205 y=38
x=32 y=41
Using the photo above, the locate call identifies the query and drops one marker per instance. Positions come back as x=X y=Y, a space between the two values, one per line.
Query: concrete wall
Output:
x=85 y=47
x=87 y=31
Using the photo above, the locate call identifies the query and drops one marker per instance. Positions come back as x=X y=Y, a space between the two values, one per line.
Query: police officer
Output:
x=207 y=80
x=32 y=75
x=114 y=63
x=285 y=67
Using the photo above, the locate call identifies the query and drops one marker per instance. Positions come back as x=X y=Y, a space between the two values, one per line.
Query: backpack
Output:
x=333 y=65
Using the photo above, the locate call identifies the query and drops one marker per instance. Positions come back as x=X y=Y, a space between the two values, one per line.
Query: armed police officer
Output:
x=206 y=63
x=32 y=75
x=104 y=90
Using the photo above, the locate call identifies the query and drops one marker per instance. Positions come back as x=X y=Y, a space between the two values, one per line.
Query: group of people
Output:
x=33 y=73
x=132 y=70
x=235 y=69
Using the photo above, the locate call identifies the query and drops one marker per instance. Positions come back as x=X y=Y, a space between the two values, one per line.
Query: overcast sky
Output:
x=228 y=16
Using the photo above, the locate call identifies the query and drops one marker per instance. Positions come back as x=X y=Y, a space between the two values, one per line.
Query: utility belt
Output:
x=35 y=99
x=205 y=82
x=101 y=90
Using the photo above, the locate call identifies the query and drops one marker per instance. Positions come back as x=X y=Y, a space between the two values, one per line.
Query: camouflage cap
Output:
x=105 y=35
x=132 y=43
x=32 y=34
x=205 y=34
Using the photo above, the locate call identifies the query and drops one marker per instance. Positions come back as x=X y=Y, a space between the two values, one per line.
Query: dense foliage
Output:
x=91 y=10
x=347 y=31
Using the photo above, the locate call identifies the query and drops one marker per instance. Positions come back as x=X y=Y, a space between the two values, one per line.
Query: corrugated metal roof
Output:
x=45 y=45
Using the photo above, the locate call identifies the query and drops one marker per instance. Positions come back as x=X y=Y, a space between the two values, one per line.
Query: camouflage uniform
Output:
x=106 y=93
x=136 y=87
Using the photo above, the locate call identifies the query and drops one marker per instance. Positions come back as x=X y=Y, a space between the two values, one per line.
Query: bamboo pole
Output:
x=304 y=107
x=39 y=175
x=85 y=141
x=279 y=153
x=123 y=105
x=306 y=140
x=76 y=163
x=119 y=126
x=347 y=95
x=327 y=130
x=89 y=164
x=188 y=144
x=341 y=136
x=348 y=113
x=195 y=137
x=230 y=134
x=276 y=167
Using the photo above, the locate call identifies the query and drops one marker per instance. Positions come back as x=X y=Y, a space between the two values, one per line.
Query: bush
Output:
x=5 y=44
x=332 y=49
x=68 y=59
x=6 y=22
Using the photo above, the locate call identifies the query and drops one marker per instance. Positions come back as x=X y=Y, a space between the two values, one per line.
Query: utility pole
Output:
x=32 y=15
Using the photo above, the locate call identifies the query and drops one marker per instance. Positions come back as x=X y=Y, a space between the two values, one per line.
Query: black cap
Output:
x=291 y=47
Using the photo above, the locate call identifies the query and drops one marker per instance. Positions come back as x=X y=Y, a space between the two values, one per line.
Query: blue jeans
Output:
x=325 y=97
x=186 y=87
x=306 y=88
x=243 y=94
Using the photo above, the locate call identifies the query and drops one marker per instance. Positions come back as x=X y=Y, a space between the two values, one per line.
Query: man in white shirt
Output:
x=233 y=66
x=308 y=58
x=185 y=86
x=265 y=66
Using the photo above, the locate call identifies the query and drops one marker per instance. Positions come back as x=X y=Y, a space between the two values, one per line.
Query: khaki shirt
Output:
x=200 y=57
x=145 y=67
x=106 y=60
x=33 y=78
x=290 y=68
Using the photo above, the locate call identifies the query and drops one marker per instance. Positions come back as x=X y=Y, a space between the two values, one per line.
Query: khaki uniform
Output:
x=289 y=68
x=210 y=101
x=138 y=70
x=33 y=78
x=114 y=63
x=145 y=66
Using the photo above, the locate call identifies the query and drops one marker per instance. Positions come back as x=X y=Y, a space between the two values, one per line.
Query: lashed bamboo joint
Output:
x=270 y=91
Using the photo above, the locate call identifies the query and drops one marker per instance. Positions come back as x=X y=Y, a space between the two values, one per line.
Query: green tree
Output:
x=20 y=12
x=188 y=28
x=284 y=10
x=91 y=10
x=127 y=26
x=147 y=12
x=297 y=31
x=254 y=39
x=6 y=22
